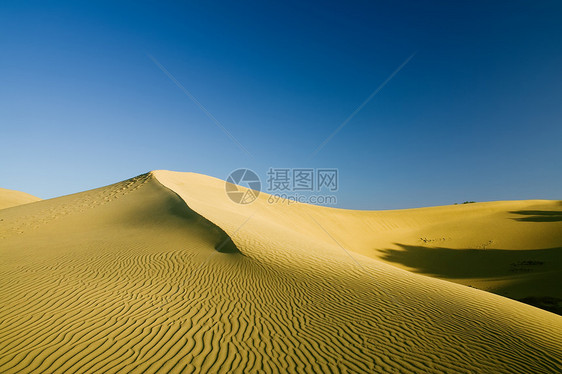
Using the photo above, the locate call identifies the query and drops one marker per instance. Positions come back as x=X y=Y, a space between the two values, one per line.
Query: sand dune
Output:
x=513 y=248
x=10 y=198
x=127 y=278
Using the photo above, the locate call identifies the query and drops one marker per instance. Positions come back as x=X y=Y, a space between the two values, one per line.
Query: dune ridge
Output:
x=127 y=278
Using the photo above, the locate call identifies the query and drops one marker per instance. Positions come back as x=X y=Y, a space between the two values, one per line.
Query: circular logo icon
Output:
x=243 y=186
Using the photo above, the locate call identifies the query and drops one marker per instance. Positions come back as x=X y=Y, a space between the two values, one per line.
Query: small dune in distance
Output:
x=163 y=273
x=10 y=198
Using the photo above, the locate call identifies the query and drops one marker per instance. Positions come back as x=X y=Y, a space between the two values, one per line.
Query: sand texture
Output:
x=164 y=273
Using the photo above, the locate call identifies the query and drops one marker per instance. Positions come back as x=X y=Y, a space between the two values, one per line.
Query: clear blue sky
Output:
x=476 y=114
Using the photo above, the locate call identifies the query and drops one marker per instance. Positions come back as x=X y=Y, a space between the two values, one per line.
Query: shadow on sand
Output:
x=473 y=263
x=449 y=263
x=552 y=304
x=538 y=215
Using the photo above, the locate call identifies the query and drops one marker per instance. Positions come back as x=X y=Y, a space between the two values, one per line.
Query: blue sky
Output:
x=476 y=114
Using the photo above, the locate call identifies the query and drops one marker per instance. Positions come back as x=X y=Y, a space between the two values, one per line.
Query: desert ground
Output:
x=164 y=273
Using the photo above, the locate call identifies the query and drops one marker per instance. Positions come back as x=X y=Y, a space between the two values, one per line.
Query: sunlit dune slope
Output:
x=513 y=248
x=127 y=278
x=10 y=198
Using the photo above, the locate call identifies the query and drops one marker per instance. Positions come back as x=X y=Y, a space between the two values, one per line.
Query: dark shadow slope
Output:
x=538 y=215
x=223 y=242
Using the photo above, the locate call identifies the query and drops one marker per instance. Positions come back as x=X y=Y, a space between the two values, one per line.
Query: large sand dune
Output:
x=127 y=278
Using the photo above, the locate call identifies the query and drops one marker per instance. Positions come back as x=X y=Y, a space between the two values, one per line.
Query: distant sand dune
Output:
x=127 y=278
x=10 y=198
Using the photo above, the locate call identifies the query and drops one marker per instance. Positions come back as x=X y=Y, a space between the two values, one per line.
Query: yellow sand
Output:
x=126 y=278
x=10 y=198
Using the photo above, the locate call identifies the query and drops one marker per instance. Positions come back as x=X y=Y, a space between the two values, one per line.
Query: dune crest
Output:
x=132 y=277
